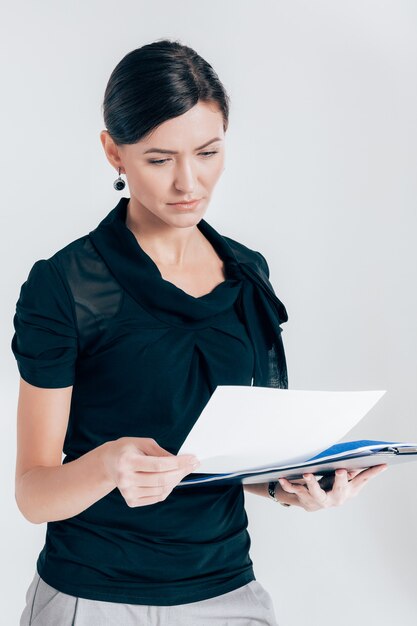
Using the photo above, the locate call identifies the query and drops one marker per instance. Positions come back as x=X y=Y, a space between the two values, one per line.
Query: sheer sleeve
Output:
x=45 y=341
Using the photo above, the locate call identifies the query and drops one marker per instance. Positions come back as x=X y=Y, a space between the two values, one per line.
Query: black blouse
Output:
x=143 y=357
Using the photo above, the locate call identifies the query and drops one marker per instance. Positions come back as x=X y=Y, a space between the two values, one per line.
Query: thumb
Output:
x=154 y=449
x=185 y=459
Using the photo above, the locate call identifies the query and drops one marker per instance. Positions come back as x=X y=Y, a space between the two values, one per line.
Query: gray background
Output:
x=320 y=176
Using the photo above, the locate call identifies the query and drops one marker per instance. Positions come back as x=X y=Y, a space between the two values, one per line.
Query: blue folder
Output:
x=349 y=455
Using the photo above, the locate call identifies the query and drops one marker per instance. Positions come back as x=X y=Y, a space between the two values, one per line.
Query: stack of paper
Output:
x=256 y=434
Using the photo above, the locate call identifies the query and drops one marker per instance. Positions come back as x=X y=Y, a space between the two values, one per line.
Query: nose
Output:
x=185 y=178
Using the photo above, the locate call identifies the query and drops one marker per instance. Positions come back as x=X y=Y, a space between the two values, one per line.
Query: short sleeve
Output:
x=45 y=342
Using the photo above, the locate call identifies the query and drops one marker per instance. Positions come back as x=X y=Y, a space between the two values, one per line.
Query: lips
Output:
x=185 y=206
x=185 y=201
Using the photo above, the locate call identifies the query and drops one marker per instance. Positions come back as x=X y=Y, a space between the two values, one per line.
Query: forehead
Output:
x=187 y=131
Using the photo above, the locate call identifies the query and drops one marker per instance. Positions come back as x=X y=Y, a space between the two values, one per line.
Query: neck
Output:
x=165 y=244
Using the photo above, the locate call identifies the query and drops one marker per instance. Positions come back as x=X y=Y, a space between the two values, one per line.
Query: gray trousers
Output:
x=249 y=605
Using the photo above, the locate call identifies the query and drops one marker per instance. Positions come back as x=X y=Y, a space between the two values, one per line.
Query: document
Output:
x=354 y=455
x=256 y=434
x=244 y=427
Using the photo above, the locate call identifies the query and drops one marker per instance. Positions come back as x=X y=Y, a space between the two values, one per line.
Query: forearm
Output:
x=261 y=489
x=49 y=494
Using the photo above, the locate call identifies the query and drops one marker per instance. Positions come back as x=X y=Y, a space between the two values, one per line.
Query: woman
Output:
x=121 y=338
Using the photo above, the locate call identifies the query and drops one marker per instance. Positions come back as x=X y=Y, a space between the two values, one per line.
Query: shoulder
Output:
x=75 y=263
x=51 y=272
x=244 y=254
x=56 y=277
x=89 y=282
x=78 y=249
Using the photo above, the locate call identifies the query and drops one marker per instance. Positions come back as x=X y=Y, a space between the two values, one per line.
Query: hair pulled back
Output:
x=155 y=83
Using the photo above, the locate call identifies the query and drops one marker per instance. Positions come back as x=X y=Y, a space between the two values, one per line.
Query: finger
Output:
x=143 y=500
x=148 y=463
x=314 y=488
x=136 y=496
x=150 y=446
x=159 y=458
x=353 y=473
x=289 y=487
x=150 y=492
x=367 y=474
x=340 y=479
x=161 y=479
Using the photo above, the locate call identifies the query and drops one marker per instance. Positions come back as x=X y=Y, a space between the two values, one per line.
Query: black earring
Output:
x=119 y=183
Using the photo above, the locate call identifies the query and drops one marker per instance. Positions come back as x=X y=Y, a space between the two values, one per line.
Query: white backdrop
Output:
x=320 y=176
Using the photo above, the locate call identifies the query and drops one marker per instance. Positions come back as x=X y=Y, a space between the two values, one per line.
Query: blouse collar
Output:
x=135 y=270
x=262 y=310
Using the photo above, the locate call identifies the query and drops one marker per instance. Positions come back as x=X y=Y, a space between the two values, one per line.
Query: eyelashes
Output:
x=162 y=161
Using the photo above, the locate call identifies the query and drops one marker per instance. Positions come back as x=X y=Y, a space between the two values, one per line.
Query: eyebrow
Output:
x=160 y=150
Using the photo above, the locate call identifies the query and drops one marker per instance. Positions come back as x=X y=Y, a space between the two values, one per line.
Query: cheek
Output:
x=150 y=182
x=154 y=189
x=210 y=175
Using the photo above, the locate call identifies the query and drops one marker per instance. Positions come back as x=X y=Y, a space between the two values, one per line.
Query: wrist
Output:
x=276 y=492
x=104 y=452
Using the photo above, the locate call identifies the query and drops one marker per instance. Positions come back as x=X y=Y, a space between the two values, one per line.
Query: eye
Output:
x=162 y=161
x=157 y=162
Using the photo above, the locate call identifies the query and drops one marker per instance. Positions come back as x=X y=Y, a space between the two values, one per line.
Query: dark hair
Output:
x=155 y=83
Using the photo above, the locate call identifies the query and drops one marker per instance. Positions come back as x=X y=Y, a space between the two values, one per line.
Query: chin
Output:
x=185 y=220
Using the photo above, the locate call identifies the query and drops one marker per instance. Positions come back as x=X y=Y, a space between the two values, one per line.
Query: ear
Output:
x=111 y=150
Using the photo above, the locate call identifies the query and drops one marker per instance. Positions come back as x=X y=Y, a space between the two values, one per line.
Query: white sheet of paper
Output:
x=244 y=427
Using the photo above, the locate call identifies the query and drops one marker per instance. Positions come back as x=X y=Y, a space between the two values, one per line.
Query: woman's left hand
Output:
x=346 y=485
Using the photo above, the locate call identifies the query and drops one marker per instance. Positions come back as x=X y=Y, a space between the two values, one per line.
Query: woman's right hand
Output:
x=144 y=472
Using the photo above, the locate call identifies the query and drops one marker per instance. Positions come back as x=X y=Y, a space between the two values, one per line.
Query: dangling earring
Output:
x=119 y=183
